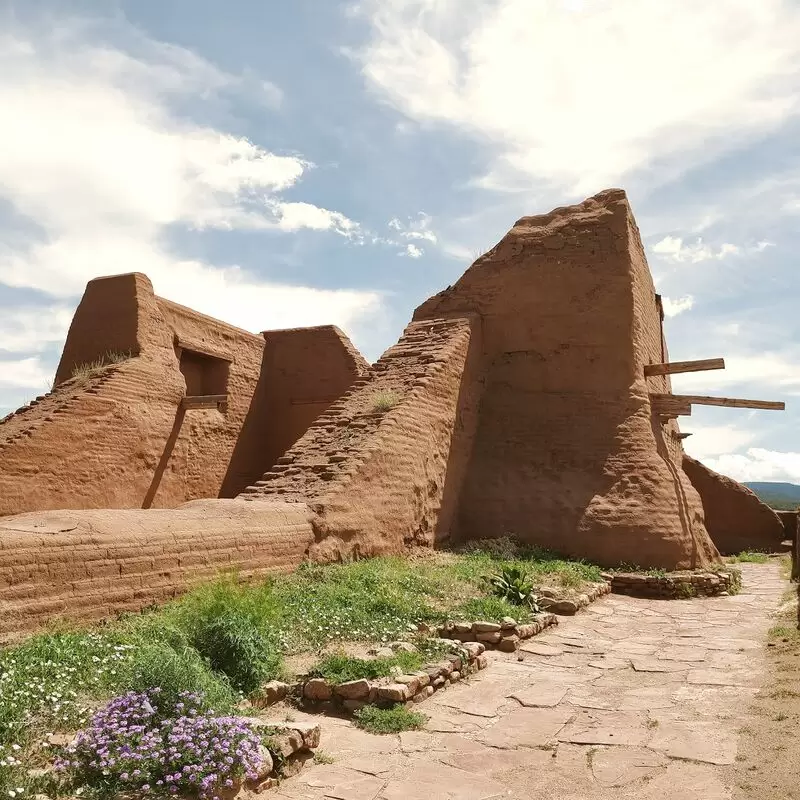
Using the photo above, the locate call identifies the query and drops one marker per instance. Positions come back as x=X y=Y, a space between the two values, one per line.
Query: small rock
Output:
x=485 y=627
x=509 y=644
x=411 y=681
x=383 y=652
x=265 y=764
x=353 y=690
x=482 y=662
x=455 y=676
x=287 y=743
x=462 y=627
x=439 y=682
x=564 y=607
x=423 y=677
x=490 y=637
x=317 y=689
x=274 y=692
x=474 y=649
x=546 y=591
x=429 y=690
x=402 y=647
x=508 y=622
x=395 y=692
x=354 y=705
x=423 y=628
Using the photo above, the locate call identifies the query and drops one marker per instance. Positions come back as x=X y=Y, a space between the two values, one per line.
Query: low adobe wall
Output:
x=736 y=519
x=91 y=565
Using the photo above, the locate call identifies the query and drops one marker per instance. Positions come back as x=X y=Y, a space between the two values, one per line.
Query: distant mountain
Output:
x=777 y=495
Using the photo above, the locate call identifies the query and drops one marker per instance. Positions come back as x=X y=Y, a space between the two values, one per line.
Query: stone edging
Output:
x=675 y=586
x=549 y=601
x=386 y=692
x=504 y=635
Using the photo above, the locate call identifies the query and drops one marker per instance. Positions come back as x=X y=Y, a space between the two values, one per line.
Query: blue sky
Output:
x=278 y=164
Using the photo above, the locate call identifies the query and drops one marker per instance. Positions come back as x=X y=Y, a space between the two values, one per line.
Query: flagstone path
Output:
x=629 y=699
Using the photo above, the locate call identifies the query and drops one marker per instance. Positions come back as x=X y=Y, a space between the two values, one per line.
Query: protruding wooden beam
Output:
x=727 y=402
x=683 y=435
x=203 y=401
x=666 y=405
x=674 y=367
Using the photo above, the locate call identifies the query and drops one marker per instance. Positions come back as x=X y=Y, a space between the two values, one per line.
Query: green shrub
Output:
x=750 y=557
x=490 y=609
x=339 y=667
x=512 y=584
x=388 y=720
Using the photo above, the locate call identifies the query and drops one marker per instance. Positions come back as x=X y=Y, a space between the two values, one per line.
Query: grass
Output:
x=226 y=638
x=90 y=369
x=749 y=557
x=384 y=400
x=340 y=668
x=388 y=720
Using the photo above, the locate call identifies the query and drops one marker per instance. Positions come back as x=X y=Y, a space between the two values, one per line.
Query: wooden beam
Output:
x=727 y=402
x=673 y=367
x=666 y=405
x=684 y=435
x=203 y=401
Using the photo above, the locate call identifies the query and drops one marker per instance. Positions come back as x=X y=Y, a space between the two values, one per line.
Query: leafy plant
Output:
x=512 y=584
x=388 y=720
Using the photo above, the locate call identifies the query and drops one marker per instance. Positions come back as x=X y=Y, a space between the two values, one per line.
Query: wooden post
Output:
x=674 y=367
x=203 y=401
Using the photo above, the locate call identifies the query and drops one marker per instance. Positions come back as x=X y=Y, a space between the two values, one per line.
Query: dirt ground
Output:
x=767 y=765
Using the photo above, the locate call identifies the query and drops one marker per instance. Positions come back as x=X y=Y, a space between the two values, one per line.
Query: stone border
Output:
x=504 y=635
x=319 y=695
x=285 y=754
x=550 y=601
x=675 y=586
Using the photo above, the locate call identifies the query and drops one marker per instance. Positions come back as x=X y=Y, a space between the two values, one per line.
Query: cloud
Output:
x=583 y=96
x=758 y=464
x=677 y=306
x=674 y=249
x=23 y=373
x=34 y=328
x=776 y=371
x=100 y=161
x=710 y=441
x=413 y=251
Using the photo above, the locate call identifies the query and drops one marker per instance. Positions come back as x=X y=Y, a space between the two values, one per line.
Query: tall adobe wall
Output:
x=567 y=453
x=376 y=468
x=736 y=519
x=121 y=439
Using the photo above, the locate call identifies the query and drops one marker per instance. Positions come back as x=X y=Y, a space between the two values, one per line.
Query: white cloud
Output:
x=774 y=371
x=674 y=249
x=32 y=329
x=758 y=464
x=710 y=441
x=23 y=373
x=96 y=160
x=673 y=307
x=413 y=251
x=586 y=96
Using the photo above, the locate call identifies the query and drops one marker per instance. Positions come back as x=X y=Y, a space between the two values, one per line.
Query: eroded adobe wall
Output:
x=304 y=371
x=567 y=454
x=376 y=477
x=736 y=519
x=120 y=439
x=89 y=565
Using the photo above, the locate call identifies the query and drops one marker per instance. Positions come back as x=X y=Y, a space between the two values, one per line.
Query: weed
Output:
x=90 y=369
x=384 y=400
x=780 y=717
x=339 y=667
x=652 y=723
x=749 y=557
x=321 y=757
x=513 y=585
x=388 y=720
x=685 y=591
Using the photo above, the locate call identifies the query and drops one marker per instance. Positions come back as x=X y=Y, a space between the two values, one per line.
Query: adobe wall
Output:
x=304 y=371
x=89 y=565
x=376 y=478
x=568 y=454
x=736 y=519
x=120 y=439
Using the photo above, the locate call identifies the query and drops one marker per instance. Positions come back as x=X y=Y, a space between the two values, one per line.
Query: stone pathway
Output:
x=629 y=699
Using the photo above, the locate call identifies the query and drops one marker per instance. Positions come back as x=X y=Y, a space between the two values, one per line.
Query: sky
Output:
x=284 y=164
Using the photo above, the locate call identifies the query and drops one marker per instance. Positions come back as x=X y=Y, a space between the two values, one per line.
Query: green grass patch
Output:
x=388 y=720
x=385 y=400
x=340 y=668
x=491 y=609
x=749 y=557
x=784 y=633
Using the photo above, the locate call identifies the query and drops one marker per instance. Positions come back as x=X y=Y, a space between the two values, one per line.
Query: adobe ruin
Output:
x=532 y=398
